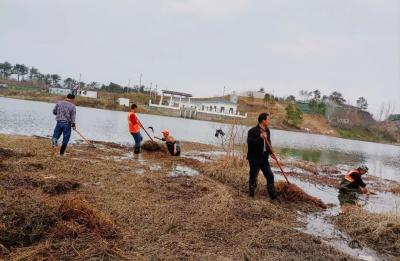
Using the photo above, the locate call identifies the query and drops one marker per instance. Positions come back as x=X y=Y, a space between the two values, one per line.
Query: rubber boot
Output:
x=62 y=149
x=252 y=191
x=271 y=191
x=136 y=150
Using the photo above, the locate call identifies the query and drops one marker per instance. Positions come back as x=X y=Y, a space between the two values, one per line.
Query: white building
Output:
x=59 y=91
x=123 y=101
x=216 y=106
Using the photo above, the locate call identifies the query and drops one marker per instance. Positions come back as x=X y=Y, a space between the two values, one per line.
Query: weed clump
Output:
x=395 y=189
x=151 y=146
x=26 y=219
x=8 y=153
x=13 y=181
x=77 y=211
x=293 y=193
x=60 y=187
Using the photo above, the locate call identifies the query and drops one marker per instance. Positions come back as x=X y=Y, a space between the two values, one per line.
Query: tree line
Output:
x=24 y=73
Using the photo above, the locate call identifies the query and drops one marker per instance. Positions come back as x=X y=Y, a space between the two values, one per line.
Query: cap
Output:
x=363 y=167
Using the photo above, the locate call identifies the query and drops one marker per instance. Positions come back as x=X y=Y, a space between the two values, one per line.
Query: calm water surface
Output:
x=36 y=118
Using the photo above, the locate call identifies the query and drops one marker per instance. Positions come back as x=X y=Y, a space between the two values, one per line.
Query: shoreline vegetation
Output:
x=103 y=203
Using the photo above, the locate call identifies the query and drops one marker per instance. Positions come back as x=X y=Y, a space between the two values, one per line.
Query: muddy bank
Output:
x=104 y=203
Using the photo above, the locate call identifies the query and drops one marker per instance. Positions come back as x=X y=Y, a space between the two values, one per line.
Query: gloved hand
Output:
x=73 y=126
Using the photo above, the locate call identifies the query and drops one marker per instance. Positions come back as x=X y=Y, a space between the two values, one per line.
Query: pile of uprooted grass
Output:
x=293 y=193
x=378 y=231
x=149 y=145
x=36 y=226
x=237 y=177
x=8 y=153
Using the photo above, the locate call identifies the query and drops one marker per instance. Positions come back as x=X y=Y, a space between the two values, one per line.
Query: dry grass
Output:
x=118 y=213
x=378 y=231
x=395 y=189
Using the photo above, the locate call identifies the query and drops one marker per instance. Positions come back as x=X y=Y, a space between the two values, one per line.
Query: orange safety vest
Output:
x=348 y=176
x=133 y=127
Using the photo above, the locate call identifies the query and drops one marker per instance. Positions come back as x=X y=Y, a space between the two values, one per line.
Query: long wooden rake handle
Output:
x=141 y=125
x=276 y=160
x=80 y=134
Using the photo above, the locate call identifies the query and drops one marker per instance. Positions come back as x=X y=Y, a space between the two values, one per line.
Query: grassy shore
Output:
x=104 y=204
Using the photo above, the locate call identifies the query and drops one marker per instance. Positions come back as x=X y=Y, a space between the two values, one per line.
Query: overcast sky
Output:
x=200 y=46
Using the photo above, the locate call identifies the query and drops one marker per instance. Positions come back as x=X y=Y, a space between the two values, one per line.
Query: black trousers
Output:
x=255 y=167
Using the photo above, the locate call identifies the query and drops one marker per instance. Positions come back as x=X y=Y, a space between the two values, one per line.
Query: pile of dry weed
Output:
x=237 y=177
x=293 y=193
x=152 y=146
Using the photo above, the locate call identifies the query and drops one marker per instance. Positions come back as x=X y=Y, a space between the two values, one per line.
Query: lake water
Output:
x=36 y=118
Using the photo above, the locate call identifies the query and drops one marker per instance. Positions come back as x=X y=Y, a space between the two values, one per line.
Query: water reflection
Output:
x=381 y=166
x=323 y=156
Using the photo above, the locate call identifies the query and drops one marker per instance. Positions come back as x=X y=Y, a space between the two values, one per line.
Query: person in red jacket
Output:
x=134 y=128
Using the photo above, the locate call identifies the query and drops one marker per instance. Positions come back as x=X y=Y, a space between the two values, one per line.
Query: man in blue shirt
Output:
x=65 y=112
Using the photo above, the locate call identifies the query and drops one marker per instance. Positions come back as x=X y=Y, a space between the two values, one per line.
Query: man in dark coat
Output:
x=258 y=154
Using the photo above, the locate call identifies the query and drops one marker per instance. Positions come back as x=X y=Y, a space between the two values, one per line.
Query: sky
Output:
x=200 y=46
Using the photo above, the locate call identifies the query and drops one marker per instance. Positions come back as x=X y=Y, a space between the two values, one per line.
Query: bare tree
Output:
x=305 y=95
x=385 y=110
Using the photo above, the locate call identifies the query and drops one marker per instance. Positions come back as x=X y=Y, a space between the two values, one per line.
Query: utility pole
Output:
x=151 y=84
x=140 y=81
x=129 y=86
x=223 y=93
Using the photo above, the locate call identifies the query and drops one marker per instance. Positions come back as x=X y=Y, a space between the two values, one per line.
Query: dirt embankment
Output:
x=104 y=204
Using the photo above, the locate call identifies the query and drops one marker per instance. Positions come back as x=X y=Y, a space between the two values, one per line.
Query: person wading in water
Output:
x=351 y=185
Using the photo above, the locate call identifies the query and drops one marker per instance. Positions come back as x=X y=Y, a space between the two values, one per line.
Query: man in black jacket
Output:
x=258 y=154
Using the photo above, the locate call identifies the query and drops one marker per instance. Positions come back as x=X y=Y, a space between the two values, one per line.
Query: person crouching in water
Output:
x=173 y=145
x=65 y=112
x=134 y=128
x=351 y=185
x=258 y=154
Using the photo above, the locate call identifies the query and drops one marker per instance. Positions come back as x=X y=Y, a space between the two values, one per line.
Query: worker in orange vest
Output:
x=134 y=128
x=173 y=146
x=352 y=184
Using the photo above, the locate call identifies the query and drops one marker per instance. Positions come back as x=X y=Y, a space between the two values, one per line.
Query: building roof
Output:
x=216 y=101
x=177 y=93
